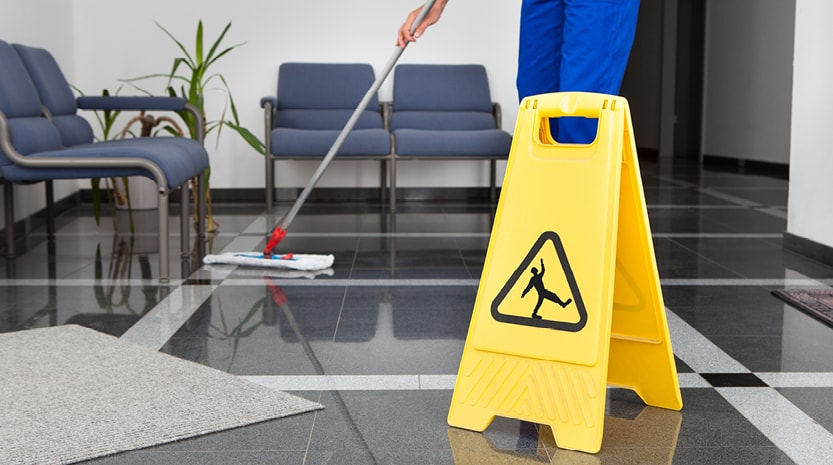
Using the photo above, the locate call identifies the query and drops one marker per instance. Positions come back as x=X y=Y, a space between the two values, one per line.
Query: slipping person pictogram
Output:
x=537 y=282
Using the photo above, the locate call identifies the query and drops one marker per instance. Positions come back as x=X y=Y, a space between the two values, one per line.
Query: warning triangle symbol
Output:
x=541 y=296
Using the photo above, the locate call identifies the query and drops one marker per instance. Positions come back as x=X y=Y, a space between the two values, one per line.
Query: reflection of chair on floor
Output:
x=313 y=104
x=42 y=139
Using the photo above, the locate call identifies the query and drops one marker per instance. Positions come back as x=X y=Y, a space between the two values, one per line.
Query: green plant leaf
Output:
x=253 y=141
x=96 y=191
x=223 y=53
x=198 y=57
x=175 y=67
x=217 y=42
x=179 y=44
x=171 y=130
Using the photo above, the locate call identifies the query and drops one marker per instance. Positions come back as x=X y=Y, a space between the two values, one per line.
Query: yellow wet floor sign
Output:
x=569 y=300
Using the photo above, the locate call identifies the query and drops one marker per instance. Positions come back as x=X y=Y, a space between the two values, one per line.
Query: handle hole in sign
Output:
x=575 y=130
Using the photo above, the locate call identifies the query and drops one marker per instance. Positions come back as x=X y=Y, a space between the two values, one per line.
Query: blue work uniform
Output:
x=574 y=46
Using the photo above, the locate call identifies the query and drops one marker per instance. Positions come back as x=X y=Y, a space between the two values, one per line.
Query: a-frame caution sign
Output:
x=569 y=301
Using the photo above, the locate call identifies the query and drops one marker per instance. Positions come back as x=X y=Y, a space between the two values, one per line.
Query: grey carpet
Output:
x=68 y=394
x=817 y=303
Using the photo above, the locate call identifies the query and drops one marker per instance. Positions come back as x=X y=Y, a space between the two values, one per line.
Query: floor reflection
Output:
x=649 y=438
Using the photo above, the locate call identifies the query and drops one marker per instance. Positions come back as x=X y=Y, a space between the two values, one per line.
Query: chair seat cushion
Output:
x=316 y=143
x=479 y=143
x=179 y=158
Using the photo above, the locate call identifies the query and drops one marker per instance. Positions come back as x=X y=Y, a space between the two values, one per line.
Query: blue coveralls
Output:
x=574 y=45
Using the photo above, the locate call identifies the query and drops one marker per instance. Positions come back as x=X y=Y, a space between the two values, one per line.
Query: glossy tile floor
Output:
x=378 y=340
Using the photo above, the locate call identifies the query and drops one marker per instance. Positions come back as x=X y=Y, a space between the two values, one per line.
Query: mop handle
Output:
x=299 y=202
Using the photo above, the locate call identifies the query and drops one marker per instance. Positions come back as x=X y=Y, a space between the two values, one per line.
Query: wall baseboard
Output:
x=808 y=248
x=737 y=165
x=341 y=194
x=23 y=227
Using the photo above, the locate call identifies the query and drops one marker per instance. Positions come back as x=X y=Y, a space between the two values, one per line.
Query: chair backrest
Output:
x=55 y=94
x=437 y=97
x=324 y=96
x=29 y=132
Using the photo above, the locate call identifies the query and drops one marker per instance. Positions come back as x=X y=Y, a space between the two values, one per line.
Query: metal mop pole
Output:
x=280 y=231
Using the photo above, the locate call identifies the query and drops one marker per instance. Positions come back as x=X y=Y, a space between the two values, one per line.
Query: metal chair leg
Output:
x=8 y=194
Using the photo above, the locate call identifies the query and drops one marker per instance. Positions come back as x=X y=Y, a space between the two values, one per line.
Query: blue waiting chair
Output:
x=445 y=112
x=312 y=106
x=43 y=139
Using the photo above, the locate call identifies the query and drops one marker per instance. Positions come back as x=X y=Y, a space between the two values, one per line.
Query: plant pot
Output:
x=142 y=193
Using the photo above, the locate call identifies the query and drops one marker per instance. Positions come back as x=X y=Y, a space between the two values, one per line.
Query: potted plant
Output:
x=191 y=78
x=121 y=191
x=117 y=190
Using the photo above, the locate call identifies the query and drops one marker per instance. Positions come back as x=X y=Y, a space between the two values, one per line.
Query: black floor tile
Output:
x=733 y=380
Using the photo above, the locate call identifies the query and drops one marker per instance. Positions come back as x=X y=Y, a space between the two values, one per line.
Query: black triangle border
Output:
x=571 y=281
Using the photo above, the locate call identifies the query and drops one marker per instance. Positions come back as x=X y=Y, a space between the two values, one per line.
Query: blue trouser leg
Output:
x=575 y=45
x=539 y=53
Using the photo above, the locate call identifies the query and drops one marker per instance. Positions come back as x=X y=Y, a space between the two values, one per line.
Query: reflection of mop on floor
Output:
x=278 y=273
x=282 y=303
x=313 y=262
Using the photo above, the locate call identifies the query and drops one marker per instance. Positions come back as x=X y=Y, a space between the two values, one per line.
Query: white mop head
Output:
x=277 y=273
x=289 y=261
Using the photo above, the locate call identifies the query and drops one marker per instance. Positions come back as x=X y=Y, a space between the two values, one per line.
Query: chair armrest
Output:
x=268 y=104
x=270 y=100
x=386 y=108
x=81 y=162
x=496 y=112
x=131 y=103
x=139 y=103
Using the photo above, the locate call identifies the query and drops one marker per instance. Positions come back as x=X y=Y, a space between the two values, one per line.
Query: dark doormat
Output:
x=815 y=302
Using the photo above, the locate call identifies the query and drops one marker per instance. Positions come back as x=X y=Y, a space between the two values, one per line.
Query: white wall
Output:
x=751 y=92
x=748 y=79
x=811 y=163
x=118 y=39
x=24 y=22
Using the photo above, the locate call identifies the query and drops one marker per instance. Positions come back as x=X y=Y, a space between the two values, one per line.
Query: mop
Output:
x=308 y=262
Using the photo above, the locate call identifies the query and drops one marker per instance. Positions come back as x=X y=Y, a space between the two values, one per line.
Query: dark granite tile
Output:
x=731 y=455
x=775 y=196
x=709 y=421
x=668 y=195
x=677 y=262
x=684 y=221
x=814 y=401
x=372 y=423
x=747 y=220
x=755 y=258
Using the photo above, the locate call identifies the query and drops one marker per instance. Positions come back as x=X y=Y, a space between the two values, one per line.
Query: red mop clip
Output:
x=277 y=235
